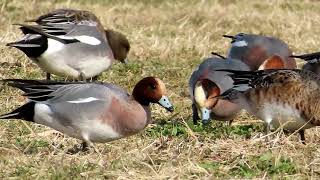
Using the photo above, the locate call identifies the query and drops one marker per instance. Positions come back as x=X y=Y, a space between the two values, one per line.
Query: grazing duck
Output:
x=313 y=62
x=281 y=98
x=92 y=112
x=71 y=43
x=205 y=83
x=255 y=49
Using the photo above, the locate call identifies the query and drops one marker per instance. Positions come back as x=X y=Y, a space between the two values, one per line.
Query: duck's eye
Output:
x=153 y=87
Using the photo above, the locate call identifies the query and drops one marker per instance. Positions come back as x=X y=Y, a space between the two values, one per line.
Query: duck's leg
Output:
x=267 y=131
x=95 y=78
x=230 y=122
x=82 y=77
x=85 y=146
x=195 y=115
x=48 y=76
x=302 y=137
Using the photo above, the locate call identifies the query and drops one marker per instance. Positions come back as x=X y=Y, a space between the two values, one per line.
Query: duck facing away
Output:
x=92 y=112
x=281 y=98
x=254 y=49
x=71 y=43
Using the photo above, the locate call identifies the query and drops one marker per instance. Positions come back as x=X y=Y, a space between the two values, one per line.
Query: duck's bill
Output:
x=205 y=114
x=125 y=61
x=164 y=102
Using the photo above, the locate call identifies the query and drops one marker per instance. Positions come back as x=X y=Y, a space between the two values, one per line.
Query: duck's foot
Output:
x=48 y=76
x=84 y=147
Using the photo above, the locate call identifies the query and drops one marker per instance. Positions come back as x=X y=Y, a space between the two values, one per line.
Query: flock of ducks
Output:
x=259 y=74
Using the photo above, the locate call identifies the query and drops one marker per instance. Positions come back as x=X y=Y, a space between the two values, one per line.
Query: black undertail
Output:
x=25 y=112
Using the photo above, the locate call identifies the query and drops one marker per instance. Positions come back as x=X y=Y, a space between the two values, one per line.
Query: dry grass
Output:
x=169 y=38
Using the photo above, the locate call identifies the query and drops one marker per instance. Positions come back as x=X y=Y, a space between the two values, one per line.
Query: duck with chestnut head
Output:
x=205 y=84
x=92 y=112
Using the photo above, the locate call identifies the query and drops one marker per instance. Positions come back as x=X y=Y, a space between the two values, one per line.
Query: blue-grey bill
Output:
x=205 y=115
x=164 y=102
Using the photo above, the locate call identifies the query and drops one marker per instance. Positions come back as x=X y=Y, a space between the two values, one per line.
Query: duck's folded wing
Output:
x=69 y=33
x=264 y=78
x=42 y=90
x=311 y=58
x=56 y=33
x=67 y=16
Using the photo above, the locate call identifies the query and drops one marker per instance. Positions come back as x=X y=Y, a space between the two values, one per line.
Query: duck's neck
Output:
x=138 y=96
x=148 y=113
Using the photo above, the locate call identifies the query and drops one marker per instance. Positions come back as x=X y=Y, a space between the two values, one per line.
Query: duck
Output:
x=254 y=49
x=282 y=98
x=72 y=44
x=93 y=112
x=206 y=83
x=313 y=61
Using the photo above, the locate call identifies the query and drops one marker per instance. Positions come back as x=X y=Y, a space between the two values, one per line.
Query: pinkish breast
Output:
x=225 y=110
x=125 y=117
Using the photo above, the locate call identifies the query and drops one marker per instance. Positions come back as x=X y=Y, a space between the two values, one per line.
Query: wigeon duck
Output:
x=313 y=61
x=71 y=43
x=255 y=49
x=205 y=83
x=92 y=112
x=281 y=98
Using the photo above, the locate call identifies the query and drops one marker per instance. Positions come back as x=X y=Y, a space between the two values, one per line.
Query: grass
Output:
x=169 y=39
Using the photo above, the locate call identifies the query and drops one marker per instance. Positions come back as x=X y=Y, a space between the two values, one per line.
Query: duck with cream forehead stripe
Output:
x=205 y=83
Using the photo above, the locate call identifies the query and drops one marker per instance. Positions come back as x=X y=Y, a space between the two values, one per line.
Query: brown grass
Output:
x=169 y=39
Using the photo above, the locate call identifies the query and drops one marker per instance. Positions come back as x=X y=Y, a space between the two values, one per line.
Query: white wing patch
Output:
x=240 y=44
x=83 y=100
x=53 y=46
x=84 y=39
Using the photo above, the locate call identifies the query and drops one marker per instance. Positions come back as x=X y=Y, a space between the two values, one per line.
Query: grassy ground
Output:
x=169 y=39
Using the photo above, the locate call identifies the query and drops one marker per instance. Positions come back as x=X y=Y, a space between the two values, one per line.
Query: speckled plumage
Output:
x=278 y=96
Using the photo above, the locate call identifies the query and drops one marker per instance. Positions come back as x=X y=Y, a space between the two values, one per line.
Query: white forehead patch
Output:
x=83 y=100
x=161 y=85
x=200 y=96
x=242 y=43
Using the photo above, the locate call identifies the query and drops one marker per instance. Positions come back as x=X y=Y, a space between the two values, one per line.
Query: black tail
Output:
x=25 y=112
x=308 y=57
x=228 y=36
x=33 y=45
